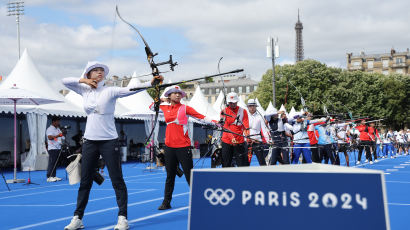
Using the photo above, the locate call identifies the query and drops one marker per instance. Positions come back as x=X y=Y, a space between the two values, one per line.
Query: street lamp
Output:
x=16 y=8
x=272 y=51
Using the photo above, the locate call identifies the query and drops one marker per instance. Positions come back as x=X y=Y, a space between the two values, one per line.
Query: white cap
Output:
x=174 y=89
x=252 y=102
x=232 y=97
x=94 y=64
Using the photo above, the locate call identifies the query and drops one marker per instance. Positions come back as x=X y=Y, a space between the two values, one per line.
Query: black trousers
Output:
x=237 y=151
x=366 y=146
x=173 y=157
x=259 y=150
x=52 y=160
x=374 y=147
x=342 y=148
x=326 y=153
x=315 y=153
x=280 y=154
x=109 y=150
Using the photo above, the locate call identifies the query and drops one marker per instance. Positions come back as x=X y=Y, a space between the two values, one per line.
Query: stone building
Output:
x=385 y=63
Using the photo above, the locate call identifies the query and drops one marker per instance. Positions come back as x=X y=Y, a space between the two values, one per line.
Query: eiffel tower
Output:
x=299 y=54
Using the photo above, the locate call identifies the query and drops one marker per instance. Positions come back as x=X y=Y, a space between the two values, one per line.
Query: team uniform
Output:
x=237 y=122
x=257 y=130
x=177 y=143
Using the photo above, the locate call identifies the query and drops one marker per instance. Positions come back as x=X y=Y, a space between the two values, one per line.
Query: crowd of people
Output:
x=276 y=138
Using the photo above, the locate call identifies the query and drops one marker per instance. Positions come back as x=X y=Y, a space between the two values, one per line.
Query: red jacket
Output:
x=373 y=132
x=364 y=133
x=234 y=126
x=174 y=134
x=314 y=135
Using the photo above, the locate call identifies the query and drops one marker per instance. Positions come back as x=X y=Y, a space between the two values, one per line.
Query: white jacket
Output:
x=99 y=104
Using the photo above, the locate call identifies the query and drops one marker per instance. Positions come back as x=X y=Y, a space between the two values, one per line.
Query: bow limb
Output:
x=129 y=24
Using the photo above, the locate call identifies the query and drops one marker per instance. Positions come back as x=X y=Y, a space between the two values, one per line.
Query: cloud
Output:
x=236 y=30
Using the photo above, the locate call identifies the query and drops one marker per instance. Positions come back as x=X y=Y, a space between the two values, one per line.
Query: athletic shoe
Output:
x=391 y=157
x=165 y=205
x=76 y=223
x=375 y=160
x=366 y=161
x=357 y=162
x=371 y=162
x=51 y=179
x=57 y=178
x=122 y=223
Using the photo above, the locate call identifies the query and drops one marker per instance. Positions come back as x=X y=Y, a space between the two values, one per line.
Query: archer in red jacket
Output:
x=373 y=133
x=236 y=121
x=365 y=142
x=313 y=139
x=177 y=141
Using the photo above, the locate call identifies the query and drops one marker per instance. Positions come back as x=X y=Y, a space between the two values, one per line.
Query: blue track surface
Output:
x=51 y=205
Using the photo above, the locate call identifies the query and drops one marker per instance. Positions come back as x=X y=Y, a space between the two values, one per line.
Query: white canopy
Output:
x=201 y=105
x=282 y=108
x=219 y=101
x=25 y=75
x=241 y=103
x=137 y=104
x=270 y=108
x=292 y=113
x=259 y=108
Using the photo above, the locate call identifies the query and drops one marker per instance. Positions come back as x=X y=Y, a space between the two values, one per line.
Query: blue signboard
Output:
x=288 y=197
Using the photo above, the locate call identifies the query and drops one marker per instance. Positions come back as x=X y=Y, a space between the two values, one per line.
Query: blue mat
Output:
x=51 y=205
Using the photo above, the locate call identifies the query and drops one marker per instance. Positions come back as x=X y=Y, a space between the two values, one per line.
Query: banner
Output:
x=308 y=196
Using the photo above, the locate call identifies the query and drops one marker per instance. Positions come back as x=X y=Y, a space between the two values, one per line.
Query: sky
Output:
x=61 y=36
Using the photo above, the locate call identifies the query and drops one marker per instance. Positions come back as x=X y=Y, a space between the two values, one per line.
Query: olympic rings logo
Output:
x=219 y=196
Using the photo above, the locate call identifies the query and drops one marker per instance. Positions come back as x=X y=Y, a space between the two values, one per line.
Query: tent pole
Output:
x=15 y=180
x=15 y=141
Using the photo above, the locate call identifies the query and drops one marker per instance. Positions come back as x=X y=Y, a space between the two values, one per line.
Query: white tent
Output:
x=77 y=100
x=201 y=105
x=292 y=113
x=259 y=108
x=270 y=108
x=138 y=108
x=282 y=108
x=218 y=103
x=26 y=76
x=137 y=104
x=241 y=103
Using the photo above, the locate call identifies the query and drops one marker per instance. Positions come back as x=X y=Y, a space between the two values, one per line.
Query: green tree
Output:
x=364 y=94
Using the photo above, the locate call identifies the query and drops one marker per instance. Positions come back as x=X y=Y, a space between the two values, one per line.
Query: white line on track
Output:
x=399 y=204
x=66 y=184
x=68 y=204
x=92 y=213
x=56 y=190
x=392 y=170
x=395 y=181
x=379 y=160
x=148 y=217
x=34 y=193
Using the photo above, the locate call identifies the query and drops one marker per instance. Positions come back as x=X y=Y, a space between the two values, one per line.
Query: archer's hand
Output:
x=234 y=142
x=159 y=78
x=92 y=83
x=166 y=100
